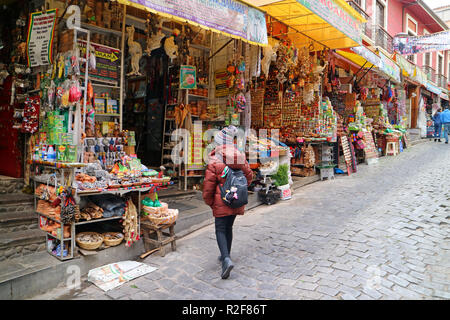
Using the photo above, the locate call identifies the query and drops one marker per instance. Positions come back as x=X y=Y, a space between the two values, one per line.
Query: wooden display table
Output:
x=148 y=228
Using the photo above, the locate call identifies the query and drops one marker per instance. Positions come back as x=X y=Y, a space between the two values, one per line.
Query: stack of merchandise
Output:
x=91 y=211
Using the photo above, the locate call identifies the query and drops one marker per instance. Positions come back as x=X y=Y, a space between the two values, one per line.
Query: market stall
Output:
x=370 y=101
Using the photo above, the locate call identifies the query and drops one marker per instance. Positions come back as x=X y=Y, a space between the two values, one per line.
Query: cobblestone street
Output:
x=382 y=233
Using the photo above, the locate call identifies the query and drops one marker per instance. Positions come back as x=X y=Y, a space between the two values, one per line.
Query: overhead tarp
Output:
x=420 y=76
x=432 y=88
x=361 y=56
x=332 y=23
x=408 y=69
x=230 y=17
x=444 y=96
x=389 y=67
x=432 y=42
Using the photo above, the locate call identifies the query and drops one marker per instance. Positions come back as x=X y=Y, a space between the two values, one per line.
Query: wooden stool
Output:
x=391 y=149
x=149 y=228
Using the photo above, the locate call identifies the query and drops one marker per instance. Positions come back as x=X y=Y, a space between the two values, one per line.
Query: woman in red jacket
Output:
x=225 y=154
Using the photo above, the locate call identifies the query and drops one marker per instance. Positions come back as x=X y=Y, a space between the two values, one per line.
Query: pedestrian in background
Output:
x=224 y=156
x=437 y=125
x=445 y=120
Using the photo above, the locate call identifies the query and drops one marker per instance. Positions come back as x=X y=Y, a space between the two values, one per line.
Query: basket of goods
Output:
x=158 y=212
x=168 y=217
x=390 y=138
x=89 y=240
x=153 y=209
x=166 y=179
x=112 y=238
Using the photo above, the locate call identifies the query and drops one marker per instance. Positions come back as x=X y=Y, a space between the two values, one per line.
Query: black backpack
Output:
x=234 y=192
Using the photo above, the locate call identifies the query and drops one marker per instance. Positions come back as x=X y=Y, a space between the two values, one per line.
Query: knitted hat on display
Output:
x=226 y=135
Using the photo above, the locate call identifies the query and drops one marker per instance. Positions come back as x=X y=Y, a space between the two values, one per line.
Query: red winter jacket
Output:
x=234 y=159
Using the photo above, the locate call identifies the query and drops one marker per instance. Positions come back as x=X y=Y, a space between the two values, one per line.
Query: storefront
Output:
x=431 y=103
x=371 y=102
x=289 y=96
x=106 y=99
x=136 y=84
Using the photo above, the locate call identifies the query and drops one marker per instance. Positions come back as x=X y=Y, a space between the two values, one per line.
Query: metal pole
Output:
x=122 y=66
x=364 y=75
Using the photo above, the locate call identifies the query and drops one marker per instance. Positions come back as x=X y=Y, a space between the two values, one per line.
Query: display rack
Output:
x=84 y=193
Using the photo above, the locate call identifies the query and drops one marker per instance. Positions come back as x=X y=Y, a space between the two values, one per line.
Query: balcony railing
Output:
x=430 y=72
x=383 y=39
x=442 y=81
x=368 y=30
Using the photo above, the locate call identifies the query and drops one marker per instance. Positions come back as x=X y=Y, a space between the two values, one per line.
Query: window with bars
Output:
x=427 y=61
x=380 y=13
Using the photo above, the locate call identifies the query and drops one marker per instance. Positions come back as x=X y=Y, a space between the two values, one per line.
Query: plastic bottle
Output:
x=51 y=153
x=44 y=153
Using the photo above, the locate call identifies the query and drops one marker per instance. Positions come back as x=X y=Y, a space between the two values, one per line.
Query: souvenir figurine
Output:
x=270 y=54
x=107 y=15
x=135 y=50
x=154 y=42
x=170 y=48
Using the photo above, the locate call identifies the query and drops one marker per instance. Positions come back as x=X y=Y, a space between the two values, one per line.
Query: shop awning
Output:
x=233 y=18
x=408 y=69
x=361 y=56
x=332 y=23
x=432 y=88
x=444 y=96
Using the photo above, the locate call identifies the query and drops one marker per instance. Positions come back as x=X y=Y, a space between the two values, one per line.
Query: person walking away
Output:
x=445 y=120
x=437 y=125
x=223 y=158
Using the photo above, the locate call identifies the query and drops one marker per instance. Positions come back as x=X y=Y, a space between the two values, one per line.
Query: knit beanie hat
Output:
x=226 y=135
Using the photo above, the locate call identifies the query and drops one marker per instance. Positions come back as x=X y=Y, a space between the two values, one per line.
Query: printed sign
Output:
x=188 y=77
x=389 y=67
x=367 y=54
x=229 y=16
x=40 y=38
x=433 y=42
x=337 y=16
x=107 y=62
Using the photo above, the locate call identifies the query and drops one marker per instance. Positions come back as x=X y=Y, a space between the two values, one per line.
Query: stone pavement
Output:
x=382 y=233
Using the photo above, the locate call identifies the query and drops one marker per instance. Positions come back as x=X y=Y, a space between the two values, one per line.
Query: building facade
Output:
x=388 y=18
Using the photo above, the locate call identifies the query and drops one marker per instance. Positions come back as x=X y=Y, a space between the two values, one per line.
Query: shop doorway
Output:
x=146 y=97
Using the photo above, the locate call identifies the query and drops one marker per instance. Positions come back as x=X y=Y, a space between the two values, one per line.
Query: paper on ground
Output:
x=115 y=274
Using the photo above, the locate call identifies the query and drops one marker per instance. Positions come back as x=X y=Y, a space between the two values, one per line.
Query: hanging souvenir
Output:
x=51 y=92
x=75 y=59
x=270 y=54
x=240 y=102
x=154 y=42
x=135 y=51
x=74 y=92
x=89 y=93
x=92 y=58
x=30 y=121
x=170 y=48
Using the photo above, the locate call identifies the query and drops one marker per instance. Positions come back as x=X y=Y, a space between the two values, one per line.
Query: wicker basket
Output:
x=169 y=219
x=89 y=246
x=156 y=210
x=112 y=242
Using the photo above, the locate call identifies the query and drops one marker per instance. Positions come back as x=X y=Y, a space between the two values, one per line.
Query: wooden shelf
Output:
x=197 y=96
x=108 y=114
